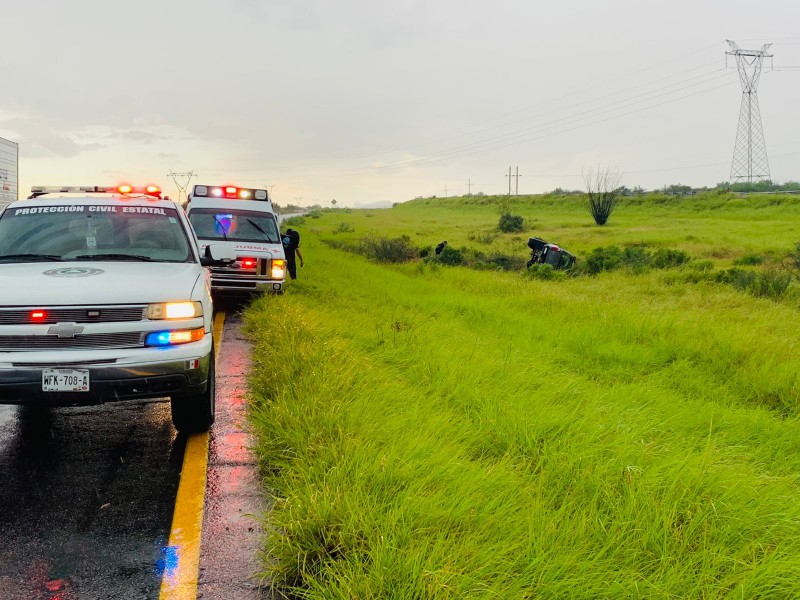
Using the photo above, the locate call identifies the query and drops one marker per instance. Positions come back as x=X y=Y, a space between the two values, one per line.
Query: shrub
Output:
x=771 y=284
x=504 y=261
x=511 y=223
x=701 y=266
x=738 y=278
x=450 y=256
x=666 y=258
x=636 y=259
x=388 y=250
x=749 y=260
x=604 y=259
x=293 y=221
x=344 y=227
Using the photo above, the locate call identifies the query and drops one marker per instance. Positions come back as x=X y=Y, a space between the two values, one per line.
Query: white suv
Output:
x=106 y=297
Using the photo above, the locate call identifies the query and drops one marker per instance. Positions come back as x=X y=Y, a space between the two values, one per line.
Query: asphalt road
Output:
x=86 y=500
x=87 y=496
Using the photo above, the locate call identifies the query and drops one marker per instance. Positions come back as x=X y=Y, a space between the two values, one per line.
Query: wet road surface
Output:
x=86 y=500
x=87 y=495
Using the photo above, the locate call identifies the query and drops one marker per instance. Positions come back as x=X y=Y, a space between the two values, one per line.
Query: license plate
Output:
x=65 y=380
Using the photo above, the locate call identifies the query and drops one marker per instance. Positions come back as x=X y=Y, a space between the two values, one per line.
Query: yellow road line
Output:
x=182 y=554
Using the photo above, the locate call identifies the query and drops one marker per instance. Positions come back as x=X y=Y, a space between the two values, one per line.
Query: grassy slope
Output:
x=449 y=433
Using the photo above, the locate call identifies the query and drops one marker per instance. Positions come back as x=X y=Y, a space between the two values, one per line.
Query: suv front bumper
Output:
x=230 y=284
x=178 y=370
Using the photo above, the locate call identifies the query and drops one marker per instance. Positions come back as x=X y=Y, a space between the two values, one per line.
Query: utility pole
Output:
x=182 y=182
x=469 y=187
x=750 y=150
x=516 y=187
x=445 y=191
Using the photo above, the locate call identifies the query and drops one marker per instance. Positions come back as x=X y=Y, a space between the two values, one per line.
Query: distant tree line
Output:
x=293 y=208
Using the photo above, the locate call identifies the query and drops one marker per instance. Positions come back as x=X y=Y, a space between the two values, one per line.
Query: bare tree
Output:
x=603 y=188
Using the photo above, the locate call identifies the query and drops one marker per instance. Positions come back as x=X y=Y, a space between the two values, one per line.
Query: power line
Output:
x=532 y=134
x=611 y=80
x=496 y=144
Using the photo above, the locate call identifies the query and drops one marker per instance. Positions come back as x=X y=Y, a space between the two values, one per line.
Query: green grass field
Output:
x=445 y=432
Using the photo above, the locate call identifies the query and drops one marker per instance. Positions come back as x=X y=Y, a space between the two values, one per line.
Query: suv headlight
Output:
x=174 y=310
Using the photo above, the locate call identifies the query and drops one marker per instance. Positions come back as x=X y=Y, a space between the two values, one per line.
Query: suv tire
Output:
x=194 y=413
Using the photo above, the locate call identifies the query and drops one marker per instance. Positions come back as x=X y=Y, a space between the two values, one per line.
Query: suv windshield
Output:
x=234 y=225
x=72 y=232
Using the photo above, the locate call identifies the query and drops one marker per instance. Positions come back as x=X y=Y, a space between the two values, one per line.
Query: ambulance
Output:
x=243 y=219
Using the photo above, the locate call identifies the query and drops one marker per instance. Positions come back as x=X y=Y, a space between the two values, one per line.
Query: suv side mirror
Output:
x=217 y=255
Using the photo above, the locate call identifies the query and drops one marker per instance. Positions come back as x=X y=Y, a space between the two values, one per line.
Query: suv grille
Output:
x=86 y=314
x=92 y=341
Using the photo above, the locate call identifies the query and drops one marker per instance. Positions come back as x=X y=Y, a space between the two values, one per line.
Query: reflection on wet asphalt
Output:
x=86 y=500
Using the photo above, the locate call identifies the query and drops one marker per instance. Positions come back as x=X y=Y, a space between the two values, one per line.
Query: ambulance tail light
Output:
x=278 y=270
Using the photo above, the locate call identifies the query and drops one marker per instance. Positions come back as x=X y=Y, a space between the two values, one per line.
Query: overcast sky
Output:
x=378 y=102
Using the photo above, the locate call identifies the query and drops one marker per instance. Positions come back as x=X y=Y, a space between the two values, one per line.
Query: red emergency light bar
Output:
x=230 y=192
x=125 y=189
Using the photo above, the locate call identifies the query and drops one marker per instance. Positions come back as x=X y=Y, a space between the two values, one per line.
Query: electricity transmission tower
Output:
x=182 y=182
x=750 y=151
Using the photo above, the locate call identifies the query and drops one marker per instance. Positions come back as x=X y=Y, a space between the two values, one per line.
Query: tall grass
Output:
x=435 y=432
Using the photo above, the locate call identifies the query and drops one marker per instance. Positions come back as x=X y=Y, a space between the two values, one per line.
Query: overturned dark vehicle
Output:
x=549 y=254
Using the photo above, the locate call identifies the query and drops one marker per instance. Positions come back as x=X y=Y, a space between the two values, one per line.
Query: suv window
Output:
x=70 y=232
x=234 y=225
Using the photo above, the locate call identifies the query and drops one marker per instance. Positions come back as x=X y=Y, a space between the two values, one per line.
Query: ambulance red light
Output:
x=37 y=316
x=230 y=190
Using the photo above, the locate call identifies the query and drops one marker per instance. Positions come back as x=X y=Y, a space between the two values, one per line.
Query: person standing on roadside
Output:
x=291 y=247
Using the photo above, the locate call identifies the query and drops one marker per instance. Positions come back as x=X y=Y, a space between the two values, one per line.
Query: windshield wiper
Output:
x=222 y=227
x=31 y=257
x=264 y=233
x=112 y=256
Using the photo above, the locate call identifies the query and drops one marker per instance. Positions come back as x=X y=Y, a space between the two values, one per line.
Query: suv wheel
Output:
x=194 y=413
